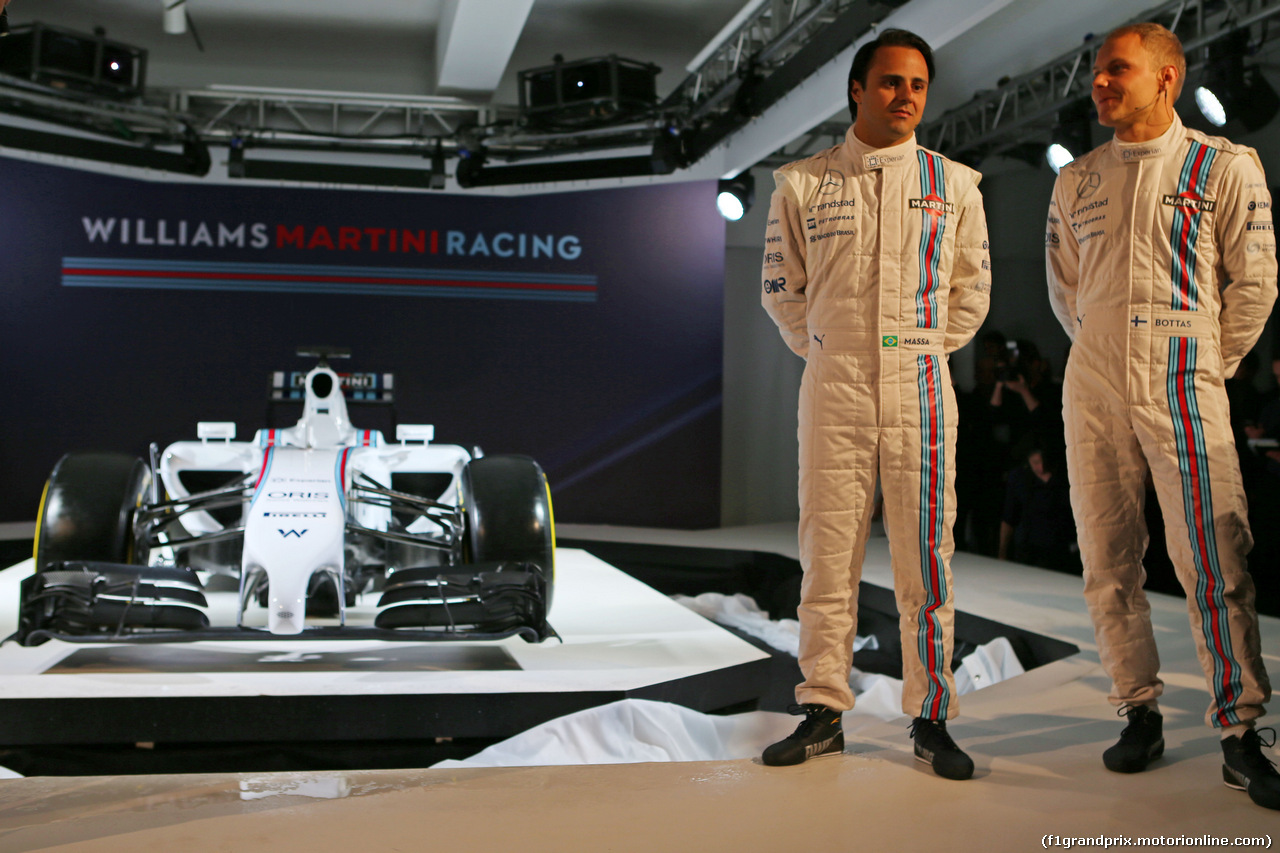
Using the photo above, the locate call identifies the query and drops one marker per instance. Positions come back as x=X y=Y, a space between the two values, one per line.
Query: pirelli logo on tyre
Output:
x=889 y=341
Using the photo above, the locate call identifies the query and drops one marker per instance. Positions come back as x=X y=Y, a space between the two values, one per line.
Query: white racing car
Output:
x=305 y=519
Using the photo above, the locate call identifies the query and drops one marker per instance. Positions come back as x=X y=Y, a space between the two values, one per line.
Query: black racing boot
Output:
x=936 y=748
x=821 y=733
x=1141 y=742
x=1246 y=769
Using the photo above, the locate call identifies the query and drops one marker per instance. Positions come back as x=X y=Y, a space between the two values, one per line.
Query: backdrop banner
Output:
x=583 y=329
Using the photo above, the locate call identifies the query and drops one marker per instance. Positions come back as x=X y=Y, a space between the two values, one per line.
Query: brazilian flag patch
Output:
x=889 y=341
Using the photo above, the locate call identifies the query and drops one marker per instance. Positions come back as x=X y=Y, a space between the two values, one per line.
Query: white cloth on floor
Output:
x=741 y=611
x=633 y=731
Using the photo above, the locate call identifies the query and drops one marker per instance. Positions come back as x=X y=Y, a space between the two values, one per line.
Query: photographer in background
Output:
x=4 y=18
x=1032 y=410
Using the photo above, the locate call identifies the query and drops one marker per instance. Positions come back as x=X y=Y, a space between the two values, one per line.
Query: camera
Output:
x=1008 y=369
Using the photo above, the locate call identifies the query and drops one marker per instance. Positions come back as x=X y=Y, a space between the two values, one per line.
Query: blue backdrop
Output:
x=583 y=329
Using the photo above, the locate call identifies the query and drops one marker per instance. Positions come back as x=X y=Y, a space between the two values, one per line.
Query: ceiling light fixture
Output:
x=734 y=196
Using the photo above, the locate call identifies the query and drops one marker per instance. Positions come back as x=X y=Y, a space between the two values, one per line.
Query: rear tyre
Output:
x=508 y=511
x=86 y=512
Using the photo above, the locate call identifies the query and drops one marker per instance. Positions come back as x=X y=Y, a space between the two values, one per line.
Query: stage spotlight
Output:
x=1210 y=107
x=734 y=196
x=1058 y=156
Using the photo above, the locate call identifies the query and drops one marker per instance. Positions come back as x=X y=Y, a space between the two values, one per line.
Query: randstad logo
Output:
x=889 y=341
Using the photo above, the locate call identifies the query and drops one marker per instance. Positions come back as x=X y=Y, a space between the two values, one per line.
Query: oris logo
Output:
x=300 y=496
x=775 y=285
x=1050 y=239
x=774 y=257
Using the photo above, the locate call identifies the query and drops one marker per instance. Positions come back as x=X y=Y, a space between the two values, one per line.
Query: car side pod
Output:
x=78 y=597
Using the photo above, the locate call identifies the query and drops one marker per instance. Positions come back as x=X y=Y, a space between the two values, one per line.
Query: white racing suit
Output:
x=1161 y=261
x=875 y=268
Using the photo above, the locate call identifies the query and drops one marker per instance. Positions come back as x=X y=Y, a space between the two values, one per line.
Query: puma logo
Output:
x=817 y=748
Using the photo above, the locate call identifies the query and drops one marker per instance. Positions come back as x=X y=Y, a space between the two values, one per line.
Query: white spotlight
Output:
x=730 y=206
x=1058 y=156
x=734 y=196
x=1210 y=107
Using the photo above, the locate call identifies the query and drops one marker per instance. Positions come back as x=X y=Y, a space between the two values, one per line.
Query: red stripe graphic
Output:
x=266 y=462
x=934 y=221
x=1193 y=474
x=325 y=279
x=1184 y=247
x=932 y=516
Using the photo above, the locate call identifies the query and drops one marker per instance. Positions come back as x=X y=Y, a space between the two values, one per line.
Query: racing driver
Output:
x=875 y=269
x=1161 y=263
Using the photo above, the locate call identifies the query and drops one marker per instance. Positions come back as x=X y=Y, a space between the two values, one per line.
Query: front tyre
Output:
x=86 y=512
x=508 y=509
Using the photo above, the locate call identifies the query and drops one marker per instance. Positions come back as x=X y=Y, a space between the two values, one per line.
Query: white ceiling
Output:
x=389 y=46
x=382 y=46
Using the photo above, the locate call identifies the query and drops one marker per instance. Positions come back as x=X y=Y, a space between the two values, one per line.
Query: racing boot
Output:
x=935 y=747
x=1141 y=742
x=1246 y=769
x=821 y=733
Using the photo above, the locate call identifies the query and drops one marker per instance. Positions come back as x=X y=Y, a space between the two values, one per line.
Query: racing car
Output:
x=300 y=522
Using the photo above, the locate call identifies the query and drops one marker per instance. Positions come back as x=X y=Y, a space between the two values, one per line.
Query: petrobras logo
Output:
x=812 y=222
x=775 y=285
x=932 y=205
x=295 y=514
x=1190 y=201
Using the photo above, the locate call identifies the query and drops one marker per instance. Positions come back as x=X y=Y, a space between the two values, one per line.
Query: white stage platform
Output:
x=1037 y=741
x=621 y=639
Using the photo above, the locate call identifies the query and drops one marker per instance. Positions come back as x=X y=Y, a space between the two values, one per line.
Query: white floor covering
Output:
x=1036 y=739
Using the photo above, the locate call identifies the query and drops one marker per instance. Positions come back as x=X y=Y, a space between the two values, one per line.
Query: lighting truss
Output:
x=769 y=49
x=1025 y=109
